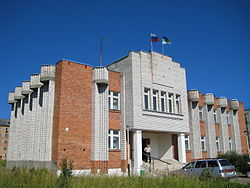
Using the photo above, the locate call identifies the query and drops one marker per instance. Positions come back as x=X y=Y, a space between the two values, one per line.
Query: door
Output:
x=175 y=146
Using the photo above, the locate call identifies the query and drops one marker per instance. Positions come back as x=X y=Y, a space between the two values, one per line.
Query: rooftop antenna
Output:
x=102 y=39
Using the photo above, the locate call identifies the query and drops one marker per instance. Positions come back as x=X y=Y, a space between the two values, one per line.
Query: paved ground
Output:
x=241 y=179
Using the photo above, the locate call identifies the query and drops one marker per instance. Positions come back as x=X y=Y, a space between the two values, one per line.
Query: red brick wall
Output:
x=230 y=131
x=114 y=120
x=189 y=156
x=202 y=129
x=217 y=129
x=114 y=81
x=204 y=154
x=200 y=103
x=215 y=103
x=242 y=124
x=73 y=110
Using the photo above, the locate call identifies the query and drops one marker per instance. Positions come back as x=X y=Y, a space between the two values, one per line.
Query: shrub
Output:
x=66 y=173
x=238 y=160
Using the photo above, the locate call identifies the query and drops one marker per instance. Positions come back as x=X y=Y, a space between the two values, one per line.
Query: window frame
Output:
x=215 y=116
x=187 y=140
x=163 y=101
x=230 y=144
x=201 y=119
x=155 y=100
x=146 y=94
x=111 y=135
x=111 y=100
x=227 y=117
x=178 y=105
x=203 y=139
x=217 y=143
x=170 y=103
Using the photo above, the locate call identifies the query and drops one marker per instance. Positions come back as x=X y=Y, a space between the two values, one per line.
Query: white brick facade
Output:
x=31 y=121
x=214 y=113
x=159 y=74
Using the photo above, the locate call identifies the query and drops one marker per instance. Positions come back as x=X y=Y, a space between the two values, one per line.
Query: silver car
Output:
x=217 y=167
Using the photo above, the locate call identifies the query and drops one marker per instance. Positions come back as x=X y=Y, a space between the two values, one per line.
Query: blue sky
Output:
x=210 y=38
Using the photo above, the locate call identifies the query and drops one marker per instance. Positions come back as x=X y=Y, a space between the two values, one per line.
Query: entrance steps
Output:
x=157 y=167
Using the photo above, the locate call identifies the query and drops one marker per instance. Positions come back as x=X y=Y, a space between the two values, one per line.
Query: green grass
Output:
x=44 y=179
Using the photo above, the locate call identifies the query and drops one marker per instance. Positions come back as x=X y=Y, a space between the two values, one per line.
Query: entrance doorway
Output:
x=175 y=146
x=145 y=142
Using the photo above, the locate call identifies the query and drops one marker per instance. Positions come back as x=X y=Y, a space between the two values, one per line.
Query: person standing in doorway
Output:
x=148 y=150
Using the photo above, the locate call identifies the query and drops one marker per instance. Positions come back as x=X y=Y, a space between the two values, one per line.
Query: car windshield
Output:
x=225 y=163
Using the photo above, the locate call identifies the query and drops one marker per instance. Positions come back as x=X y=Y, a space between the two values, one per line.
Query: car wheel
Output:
x=248 y=174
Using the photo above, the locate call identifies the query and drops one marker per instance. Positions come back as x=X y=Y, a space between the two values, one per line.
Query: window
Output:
x=163 y=101
x=201 y=164
x=114 y=100
x=203 y=143
x=178 y=104
x=5 y=148
x=217 y=141
x=146 y=98
x=230 y=143
x=155 y=100
x=227 y=117
x=215 y=117
x=209 y=107
x=200 y=114
x=212 y=164
x=114 y=139
x=189 y=165
x=6 y=135
x=170 y=102
x=187 y=146
x=6 y=142
x=225 y=163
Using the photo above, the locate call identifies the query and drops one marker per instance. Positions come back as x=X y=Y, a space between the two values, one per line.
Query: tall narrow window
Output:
x=170 y=102
x=200 y=114
x=163 y=101
x=215 y=117
x=178 y=104
x=203 y=143
x=187 y=145
x=155 y=100
x=114 y=139
x=114 y=100
x=230 y=144
x=146 y=98
x=227 y=115
x=217 y=141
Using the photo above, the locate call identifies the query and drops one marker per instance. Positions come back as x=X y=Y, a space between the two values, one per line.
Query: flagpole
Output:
x=151 y=43
x=162 y=48
x=101 y=53
x=102 y=39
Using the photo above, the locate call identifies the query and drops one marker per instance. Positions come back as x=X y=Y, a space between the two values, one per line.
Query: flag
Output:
x=154 y=38
x=166 y=40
